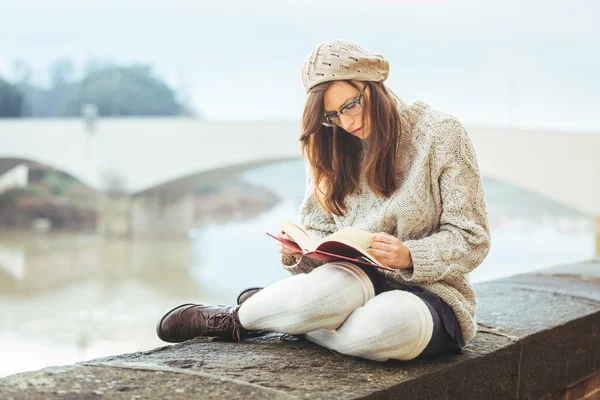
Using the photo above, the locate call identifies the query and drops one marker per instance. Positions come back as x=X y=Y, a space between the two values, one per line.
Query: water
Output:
x=71 y=297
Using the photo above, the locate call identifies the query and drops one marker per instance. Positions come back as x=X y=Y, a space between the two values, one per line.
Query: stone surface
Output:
x=587 y=269
x=267 y=367
x=555 y=315
x=518 y=308
x=83 y=382
x=538 y=334
x=300 y=367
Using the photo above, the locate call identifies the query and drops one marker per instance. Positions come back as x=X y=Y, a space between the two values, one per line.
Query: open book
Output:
x=348 y=244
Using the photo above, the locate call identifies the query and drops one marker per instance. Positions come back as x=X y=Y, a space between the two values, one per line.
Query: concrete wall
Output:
x=538 y=338
x=156 y=213
x=587 y=388
x=162 y=213
x=114 y=215
x=17 y=177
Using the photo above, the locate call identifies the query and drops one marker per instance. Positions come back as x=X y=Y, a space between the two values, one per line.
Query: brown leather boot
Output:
x=247 y=293
x=188 y=321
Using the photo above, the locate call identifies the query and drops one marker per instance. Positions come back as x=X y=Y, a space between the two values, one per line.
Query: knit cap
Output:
x=340 y=59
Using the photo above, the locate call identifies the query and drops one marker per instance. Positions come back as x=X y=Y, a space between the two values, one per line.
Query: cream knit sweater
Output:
x=438 y=212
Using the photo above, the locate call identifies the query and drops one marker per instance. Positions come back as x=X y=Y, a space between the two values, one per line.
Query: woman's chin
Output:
x=360 y=134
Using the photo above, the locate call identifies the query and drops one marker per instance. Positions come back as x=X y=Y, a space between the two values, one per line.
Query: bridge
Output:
x=147 y=167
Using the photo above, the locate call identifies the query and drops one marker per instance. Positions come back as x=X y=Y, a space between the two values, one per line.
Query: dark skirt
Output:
x=447 y=336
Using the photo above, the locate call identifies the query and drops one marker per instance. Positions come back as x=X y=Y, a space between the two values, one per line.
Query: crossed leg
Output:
x=323 y=298
x=336 y=307
x=393 y=325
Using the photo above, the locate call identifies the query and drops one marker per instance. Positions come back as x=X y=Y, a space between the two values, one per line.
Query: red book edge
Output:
x=295 y=246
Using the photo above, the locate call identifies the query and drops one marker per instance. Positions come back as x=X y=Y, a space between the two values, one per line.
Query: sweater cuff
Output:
x=292 y=264
x=424 y=261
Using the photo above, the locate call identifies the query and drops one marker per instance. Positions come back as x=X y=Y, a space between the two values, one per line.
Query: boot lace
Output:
x=224 y=322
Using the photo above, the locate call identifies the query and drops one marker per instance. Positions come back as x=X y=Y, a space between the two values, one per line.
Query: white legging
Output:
x=336 y=307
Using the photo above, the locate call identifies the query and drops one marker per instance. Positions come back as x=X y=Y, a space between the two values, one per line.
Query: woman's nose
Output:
x=346 y=122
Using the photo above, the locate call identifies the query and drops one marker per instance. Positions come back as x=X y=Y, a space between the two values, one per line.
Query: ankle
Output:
x=238 y=327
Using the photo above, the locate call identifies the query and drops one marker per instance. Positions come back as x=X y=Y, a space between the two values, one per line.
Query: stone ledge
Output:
x=538 y=334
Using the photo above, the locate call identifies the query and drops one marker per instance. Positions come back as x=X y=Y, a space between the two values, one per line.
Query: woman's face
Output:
x=337 y=95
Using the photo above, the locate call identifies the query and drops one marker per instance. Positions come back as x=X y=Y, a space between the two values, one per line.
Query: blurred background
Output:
x=146 y=147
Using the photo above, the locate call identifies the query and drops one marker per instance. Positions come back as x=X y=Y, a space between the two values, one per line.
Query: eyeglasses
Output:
x=352 y=108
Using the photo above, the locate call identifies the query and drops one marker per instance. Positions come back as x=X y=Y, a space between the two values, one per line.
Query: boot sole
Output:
x=165 y=316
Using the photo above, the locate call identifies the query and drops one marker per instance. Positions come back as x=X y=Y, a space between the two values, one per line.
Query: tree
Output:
x=39 y=101
x=22 y=79
x=11 y=100
x=123 y=91
x=62 y=73
x=62 y=84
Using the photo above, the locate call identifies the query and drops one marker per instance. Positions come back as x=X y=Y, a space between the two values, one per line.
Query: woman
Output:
x=409 y=174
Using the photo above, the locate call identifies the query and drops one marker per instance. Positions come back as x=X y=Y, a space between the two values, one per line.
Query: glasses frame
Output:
x=336 y=114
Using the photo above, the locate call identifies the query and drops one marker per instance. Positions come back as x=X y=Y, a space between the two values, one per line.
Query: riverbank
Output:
x=55 y=202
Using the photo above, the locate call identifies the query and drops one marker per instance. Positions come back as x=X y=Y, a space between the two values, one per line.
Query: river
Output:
x=68 y=297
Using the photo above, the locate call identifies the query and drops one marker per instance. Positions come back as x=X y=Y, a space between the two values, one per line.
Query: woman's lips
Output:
x=356 y=131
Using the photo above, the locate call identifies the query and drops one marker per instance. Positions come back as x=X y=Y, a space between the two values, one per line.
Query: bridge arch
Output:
x=193 y=181
x=8 y=163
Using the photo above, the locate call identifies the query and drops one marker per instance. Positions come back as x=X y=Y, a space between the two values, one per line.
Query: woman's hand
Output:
x=283 y=249
x=391 y=251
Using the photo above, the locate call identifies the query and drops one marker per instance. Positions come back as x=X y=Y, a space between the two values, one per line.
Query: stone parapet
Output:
x=538 y=338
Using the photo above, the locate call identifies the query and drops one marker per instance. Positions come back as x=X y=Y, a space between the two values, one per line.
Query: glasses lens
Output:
x=352 y=109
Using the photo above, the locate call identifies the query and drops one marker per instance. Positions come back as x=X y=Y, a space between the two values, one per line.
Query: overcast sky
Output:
x=523 y=63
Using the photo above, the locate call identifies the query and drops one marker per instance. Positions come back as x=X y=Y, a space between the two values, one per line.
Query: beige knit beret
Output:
x=342 y=60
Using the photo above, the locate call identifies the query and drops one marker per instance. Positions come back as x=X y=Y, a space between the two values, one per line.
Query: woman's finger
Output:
x=383 y=238
x=290 y=252
x=383 y=246
x=282 y=248
x=285 y=236
x=380 y=254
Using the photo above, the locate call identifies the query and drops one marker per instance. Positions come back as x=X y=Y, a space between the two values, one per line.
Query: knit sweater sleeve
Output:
x=463 y=239
x=320 y=223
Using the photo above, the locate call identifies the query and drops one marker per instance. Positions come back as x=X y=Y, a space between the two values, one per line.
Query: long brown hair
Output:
x=333 y=153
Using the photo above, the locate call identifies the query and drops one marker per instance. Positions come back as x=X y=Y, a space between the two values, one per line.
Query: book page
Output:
x=333 y=246
x=347 y=252
x=351 y=237
x=354 y=236
x=300 y=235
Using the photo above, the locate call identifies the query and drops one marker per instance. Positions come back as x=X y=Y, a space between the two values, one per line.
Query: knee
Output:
x=344 y=275
x=400 y=328
x=401 y=307
x=394 y=303
x=342 y=271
